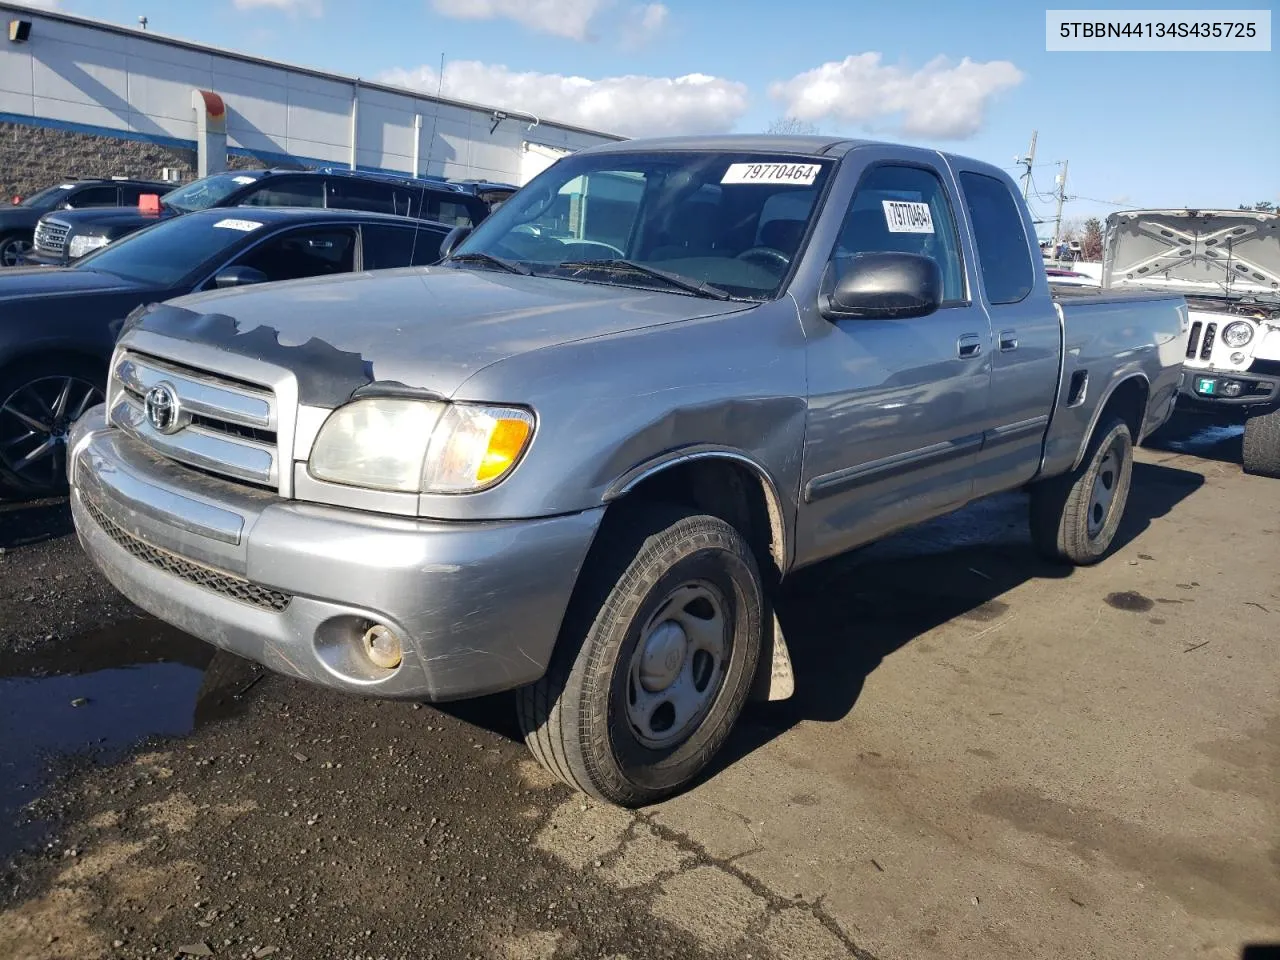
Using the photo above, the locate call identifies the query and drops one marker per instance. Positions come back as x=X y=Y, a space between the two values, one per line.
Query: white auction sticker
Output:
x=798 y=174
x=243 y=180
x=904 y=216
x=245 y=225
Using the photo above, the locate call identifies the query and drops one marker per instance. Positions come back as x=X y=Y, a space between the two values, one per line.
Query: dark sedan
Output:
x=58 y=325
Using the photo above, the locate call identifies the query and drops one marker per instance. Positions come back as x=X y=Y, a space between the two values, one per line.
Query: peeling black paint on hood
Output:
x=419 y=328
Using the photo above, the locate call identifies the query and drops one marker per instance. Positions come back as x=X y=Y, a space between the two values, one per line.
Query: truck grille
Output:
x=1200 y=342
x=51 y=237
x=207 y=577
x=215 y=424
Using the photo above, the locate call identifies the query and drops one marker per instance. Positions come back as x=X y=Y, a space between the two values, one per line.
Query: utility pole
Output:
x=1027 y=161
x=1062 y=198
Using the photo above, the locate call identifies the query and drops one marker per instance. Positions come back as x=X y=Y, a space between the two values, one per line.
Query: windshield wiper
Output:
x=510 y=266
x=699 y=287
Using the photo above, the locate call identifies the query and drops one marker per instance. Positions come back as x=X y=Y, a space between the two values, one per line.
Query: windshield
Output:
x=167 y=252
x=47 y=197
x=209 y=192
x=731 y=222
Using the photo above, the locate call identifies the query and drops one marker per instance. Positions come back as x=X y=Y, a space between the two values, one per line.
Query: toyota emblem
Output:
x=162 y=408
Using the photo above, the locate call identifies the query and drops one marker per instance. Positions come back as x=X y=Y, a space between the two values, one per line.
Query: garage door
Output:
x=536 y=157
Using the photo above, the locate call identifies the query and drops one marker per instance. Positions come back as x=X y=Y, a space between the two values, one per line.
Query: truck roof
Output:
x=738 y=143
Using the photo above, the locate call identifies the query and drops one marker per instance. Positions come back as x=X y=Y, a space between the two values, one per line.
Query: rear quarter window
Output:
x=1004 y=253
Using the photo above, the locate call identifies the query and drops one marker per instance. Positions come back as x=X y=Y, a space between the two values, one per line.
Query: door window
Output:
x=303 y=253
x=352 y=194
x=386 y=247
x=1001 y=238
x=456 y=213
x=905 y=210
x=302 y=192
x=426 y=249
x=95 y=197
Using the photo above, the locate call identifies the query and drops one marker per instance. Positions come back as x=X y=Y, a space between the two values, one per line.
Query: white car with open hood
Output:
x=1226 y=263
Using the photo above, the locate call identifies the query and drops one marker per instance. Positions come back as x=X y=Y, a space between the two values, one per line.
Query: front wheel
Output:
x=39 y=402
x=12 y=248
x=1262 y=445
x=1074 y=517
x=655 y=660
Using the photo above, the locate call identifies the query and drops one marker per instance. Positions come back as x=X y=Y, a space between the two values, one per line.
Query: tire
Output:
x=1068 y=522
x=12 y=245
x=29 y=396
x=1262 y=445
x=598 y=719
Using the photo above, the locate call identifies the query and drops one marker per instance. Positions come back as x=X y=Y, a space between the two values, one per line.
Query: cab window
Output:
x=998 y=232
x=900 y=209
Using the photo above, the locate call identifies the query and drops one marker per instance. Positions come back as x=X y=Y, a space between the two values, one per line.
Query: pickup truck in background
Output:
x=1227 y=265
x=577 y=457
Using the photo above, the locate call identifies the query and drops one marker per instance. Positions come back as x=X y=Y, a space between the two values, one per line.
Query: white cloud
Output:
x=561 y=18
x=939 y=100
x=646 y=22
x=630 y=105
x=312 y=8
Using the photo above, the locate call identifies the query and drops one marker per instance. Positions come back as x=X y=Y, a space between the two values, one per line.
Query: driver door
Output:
x=896 y=407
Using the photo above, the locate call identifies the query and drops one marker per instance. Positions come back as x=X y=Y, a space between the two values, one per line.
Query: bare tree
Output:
x=1091 y=242
x=790 y=126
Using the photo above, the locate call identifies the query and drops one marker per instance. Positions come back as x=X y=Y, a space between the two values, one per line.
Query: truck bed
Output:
x=1109 y=337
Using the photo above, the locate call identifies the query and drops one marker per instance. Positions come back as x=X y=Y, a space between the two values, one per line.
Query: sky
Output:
x=1137 y=129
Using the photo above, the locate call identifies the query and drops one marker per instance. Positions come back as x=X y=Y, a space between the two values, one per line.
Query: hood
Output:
x=22 y=283
x=427 y=328
x=1215 y=253
x=107 y=219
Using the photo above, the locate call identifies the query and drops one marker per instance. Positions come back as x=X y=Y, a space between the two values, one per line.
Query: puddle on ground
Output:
x=1205 y=440
x=95 y=696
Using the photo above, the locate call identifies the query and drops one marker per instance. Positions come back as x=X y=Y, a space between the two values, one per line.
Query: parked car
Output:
x=58 y=325
x=62 y=238
x=579 y=461
x=18 y=221
x=1227 y=264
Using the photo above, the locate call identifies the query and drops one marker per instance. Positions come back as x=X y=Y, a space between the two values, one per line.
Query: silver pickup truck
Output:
x=579 y=455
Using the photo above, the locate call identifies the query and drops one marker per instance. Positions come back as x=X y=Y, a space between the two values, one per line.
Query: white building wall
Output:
x=95 y=78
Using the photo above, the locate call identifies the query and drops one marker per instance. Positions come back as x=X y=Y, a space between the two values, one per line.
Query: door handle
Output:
x=969 y=346
x=1008 y=340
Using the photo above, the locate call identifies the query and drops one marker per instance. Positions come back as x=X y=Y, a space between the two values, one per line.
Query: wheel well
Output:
x=1129 y=402
x=727 y=489
x=76 y=357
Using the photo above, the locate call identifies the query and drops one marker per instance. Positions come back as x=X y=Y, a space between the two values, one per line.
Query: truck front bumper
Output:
x=295 y=586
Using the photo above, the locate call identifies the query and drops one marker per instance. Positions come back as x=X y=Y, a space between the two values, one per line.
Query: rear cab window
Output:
x=1004 y=253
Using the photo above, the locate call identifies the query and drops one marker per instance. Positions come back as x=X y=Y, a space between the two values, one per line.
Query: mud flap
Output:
x=775 y=680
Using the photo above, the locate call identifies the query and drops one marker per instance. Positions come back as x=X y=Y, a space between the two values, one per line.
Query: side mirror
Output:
x=238 y=277
x=883 y=286
x=452 y=239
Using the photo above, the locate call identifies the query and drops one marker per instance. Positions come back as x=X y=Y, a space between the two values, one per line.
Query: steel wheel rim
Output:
x=9 y=252
x=679 y=665
x=34 y=423
x=1103 y=495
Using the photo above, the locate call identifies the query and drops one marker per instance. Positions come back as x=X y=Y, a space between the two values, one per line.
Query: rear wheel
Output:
x=12 y=247
x=1074 y=517
x=39 y=401
x=655 y=660
x=1262 y=445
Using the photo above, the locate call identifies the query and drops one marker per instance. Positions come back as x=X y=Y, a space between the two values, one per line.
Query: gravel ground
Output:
x=985 y=758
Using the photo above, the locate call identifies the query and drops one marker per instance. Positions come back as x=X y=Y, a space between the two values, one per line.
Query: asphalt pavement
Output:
x=986 y=757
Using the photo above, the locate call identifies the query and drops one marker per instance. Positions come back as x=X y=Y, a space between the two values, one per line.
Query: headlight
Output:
x=1237 y=334
x=419 y=446
x=80 y=245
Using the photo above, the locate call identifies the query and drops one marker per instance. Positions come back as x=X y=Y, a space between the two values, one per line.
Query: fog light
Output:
x=1238 y=358
x=1231 y=388
x=382 y=647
